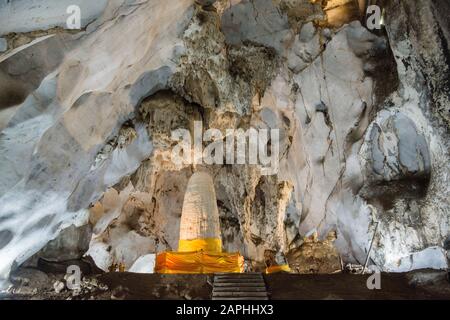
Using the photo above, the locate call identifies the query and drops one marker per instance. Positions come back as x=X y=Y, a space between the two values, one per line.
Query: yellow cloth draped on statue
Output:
x=277 y=269
x=208 y=245
x=200 y=256
x=200 y=245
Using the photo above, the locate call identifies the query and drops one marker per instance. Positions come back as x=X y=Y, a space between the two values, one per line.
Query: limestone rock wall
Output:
x=363 y=120
x=66 y=132
x=24 y=16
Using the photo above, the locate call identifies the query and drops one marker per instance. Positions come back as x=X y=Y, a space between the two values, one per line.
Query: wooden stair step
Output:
x=241 y=298
x=239 y=294
x=252 y=277
x=240 y=284
x=239 y=289
x=239 y=274
x=238 y=281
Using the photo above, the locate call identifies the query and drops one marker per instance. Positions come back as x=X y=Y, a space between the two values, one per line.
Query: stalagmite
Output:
x=200 y=222
x=200 y=245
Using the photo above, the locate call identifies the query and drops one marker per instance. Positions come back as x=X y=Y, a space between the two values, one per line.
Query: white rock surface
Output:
x=430 y=258
x=359 y=142
x=259 y=21
x=145 y=264
x=23 y=69
x=29 y=15
x=52 y=178
x=3 y=45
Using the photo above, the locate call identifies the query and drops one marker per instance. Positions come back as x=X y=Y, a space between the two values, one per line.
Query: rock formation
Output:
x=200 y=216
x=86 y=119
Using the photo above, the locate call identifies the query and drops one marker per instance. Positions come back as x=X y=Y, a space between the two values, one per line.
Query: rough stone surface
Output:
x=24 y=16
x=200 y=216
x=257 y=21
x=23 y=68
x=71 y=244
x=3 y=45
x=53 y=177
x=362 y=118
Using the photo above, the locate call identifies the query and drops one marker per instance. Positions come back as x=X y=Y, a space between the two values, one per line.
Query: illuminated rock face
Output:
x=32 y=213
x=363 y=123
x=200 y=217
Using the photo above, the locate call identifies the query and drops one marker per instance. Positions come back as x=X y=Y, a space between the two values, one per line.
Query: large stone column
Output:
x=200 y=224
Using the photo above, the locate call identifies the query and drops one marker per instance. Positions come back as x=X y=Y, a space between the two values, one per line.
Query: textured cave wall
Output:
x=62 y=148
x=25 y=15
x=335 y=96
x=421 y=218
x=363 y=120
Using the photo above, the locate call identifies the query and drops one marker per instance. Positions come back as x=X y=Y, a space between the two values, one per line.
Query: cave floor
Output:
x=423 y=284
x=343 y=286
